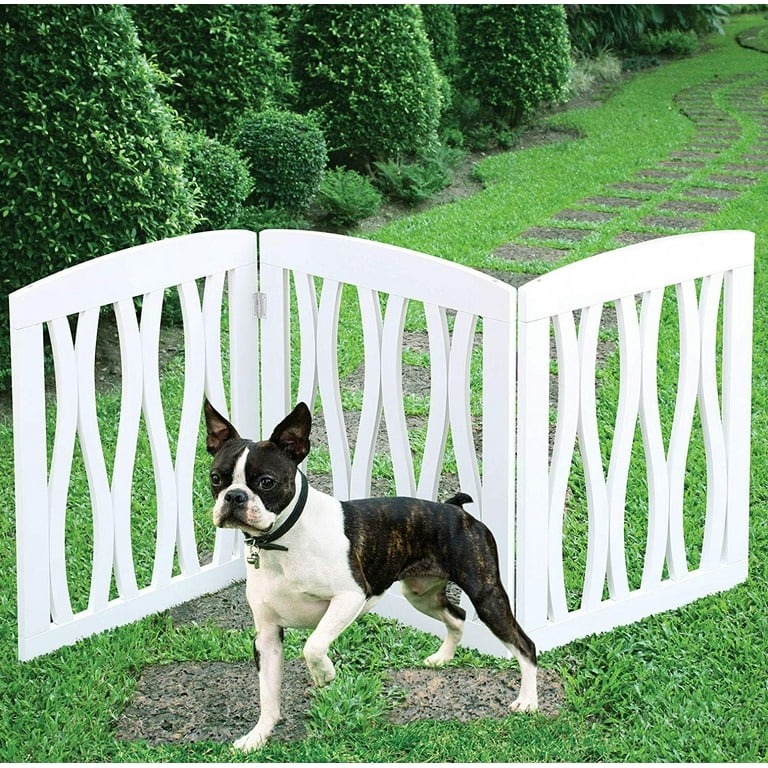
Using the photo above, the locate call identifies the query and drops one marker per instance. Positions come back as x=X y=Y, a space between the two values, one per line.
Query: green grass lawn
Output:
x=686 y=685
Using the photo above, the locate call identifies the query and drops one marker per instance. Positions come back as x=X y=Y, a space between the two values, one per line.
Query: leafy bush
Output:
x=347 y=197
x=222 y=177
x=223 y=58
x=255 y=218
x=287 y=155
x=90 y=157
x=414 y=182
x=670 y=42
x=441 y=28
x=514 y=58
x=368 y=73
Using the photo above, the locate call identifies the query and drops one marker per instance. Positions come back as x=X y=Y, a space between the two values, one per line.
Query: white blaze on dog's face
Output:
x=253 y=482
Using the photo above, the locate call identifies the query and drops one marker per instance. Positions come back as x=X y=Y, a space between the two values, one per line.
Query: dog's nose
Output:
x=236 y=498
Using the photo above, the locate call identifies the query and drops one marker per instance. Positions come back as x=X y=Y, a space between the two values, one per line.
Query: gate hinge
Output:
x=259 y=305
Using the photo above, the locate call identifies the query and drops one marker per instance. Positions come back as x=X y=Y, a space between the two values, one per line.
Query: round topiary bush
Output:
x=223 y=59
x=222 y=177
x=287 y=155
x=368 y=72
x=513 y=58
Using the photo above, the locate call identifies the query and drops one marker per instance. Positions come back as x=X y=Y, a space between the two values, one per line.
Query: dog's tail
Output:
x=459 y=500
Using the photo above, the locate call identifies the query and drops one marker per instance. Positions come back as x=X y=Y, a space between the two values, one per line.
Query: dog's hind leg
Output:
x=493 y=609
x=427 y=594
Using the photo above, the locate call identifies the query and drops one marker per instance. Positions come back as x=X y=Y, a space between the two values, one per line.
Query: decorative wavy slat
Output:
x=589 y=444
x=437 y=424
x=627 y=412
x=125 y=452
x=194 y=385
x=154 y=418
x=328 y=381
x=680 y=437
x=306 y=302
x=653 y=444
x=392 y=394
x=61 y=464
x=93 y=456
x=562 y=455
x=370 y=416
x=213 y=294
x=714 y=437
x=459 y=368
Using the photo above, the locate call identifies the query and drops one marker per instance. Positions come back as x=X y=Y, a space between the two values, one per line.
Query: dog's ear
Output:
x=219 y=429
x=292 y=433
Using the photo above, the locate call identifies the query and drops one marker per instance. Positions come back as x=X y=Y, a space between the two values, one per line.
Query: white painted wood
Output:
x=127 y=437
x=627 y=413
x=370 y=415
x=61 y=463
x=392 y=395
x=93 y=458
x=680 y=437
x=46 y=618
x=437 y=424
x=736 y=396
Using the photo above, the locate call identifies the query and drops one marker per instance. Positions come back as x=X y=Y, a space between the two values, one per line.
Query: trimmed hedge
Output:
x=222 y=177
x=513 y=58
x=287 y=156
x=368 y=73
x=224 y=59
x=90 y=160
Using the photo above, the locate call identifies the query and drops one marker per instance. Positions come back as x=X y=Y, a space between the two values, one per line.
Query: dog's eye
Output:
x=266 y=484
x=215 y=479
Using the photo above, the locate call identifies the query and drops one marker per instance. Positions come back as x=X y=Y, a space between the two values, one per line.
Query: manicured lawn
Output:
x=687 y=685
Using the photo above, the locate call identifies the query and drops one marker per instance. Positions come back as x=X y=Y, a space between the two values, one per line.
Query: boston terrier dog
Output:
x=316 y=562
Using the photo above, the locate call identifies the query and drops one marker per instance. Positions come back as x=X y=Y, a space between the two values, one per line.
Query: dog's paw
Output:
x=255 y=739
x=437 y=660
x=322 y=670
x=528 y=704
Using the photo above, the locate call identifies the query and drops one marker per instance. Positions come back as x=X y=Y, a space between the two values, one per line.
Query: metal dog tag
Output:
x=253 y=557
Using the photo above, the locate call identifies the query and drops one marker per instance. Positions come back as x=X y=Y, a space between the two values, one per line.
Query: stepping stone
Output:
x=570 y=214
x=673 y=222
x=726 y=178
x=515 y=279
x=654 y=173
x=612 y=202
x=711 y=192
x=517 y=252
x=689 y=206
x=757 y=158
x=640 y=186
x=687 y=154
x=556 y=234
x=691 y=165
x=744 y=167
x=632 y=238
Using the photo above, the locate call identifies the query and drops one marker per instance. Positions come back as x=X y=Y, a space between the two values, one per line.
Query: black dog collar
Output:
x=265 y=542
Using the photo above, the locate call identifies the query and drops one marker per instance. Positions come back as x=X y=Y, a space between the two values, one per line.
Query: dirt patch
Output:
x=219 y=701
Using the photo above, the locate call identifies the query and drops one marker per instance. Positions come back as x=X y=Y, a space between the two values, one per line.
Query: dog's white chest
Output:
x=293 y=588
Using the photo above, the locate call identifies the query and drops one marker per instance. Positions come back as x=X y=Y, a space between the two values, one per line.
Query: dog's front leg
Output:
x=342 y=611
x=268 y=654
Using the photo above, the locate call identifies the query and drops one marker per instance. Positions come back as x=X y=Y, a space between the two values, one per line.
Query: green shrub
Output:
x=90 y=156
x=368 y=73
x=668 y=42
x=347 y=197
x=287 y=155
x=414 y=182
x=222 y=177
x=514 y=58
x=441 y=27
x=255 y=219
x=224 y=59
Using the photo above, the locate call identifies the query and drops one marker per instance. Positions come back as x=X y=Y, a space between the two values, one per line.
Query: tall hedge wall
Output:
x=89 y=158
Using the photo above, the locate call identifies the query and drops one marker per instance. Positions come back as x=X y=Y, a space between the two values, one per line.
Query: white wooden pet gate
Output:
x=104 y=538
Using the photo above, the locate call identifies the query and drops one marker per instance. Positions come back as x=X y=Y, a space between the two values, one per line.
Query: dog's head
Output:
x=253 y=482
